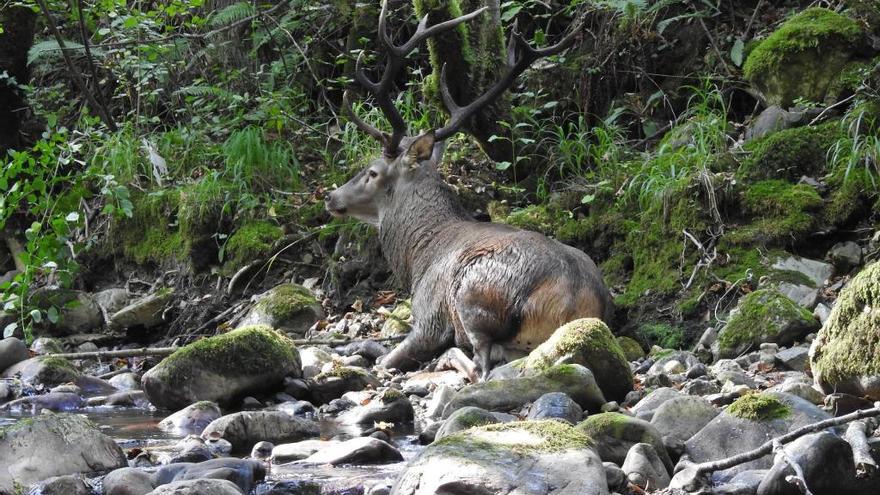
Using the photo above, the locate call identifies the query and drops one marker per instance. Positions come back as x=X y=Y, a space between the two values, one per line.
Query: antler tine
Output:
x=382 y=137
x=520 y=55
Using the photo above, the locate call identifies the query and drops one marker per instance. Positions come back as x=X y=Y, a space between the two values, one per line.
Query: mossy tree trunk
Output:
x=15 y=41
x=474 y=55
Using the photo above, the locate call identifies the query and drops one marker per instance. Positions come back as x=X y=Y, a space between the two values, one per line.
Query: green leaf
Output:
x=503 y=165
x=587 y=199
x=36 y=315
x=72 y=217
x=52 y=314
x=9 y=331
x=511 y=13
x=736 y=53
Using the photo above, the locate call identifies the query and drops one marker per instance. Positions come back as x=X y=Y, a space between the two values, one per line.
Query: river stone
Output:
x=244 y=429
x=505 y=395
x=845 y=256
x=313 y=360
x=92 y=385
x=794 y=358
x=556 y=405
x=464 y=418
x=799 y=389
x=297 y=451
x=589 y=343
x=112 y=300
x=12 y=351
x=522 y=458
x=193 y=418
x=764 y=315
x=732 y=432
x=290 y=308
x=191 y=448
x=644 y=468
x=827 y=464
x=631 y=348
x=62 y=485
x=800 y=294
x=53 y=401
x=126 y=381
x=684 y=358
x=616 y=433
x=222 y=368
x=335 y=383
x=46 y=345
x=43 y=437
x=77 y=311
x=645 y=408
x=145 y=312
x=682 y=417
x=128 y=481
x=845 y=356
x=815 y=271
x=358 y=450
x=198 y=487
x=390 y=406
x=45 y=371
x=243 y=473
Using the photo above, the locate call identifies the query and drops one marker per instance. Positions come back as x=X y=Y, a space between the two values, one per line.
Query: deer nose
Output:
x=332 y=206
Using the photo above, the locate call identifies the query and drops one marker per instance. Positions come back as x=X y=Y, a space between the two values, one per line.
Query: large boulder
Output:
x=243 y=474
x=29 y=450
x=505 y=395
x=144 y=313
x=589 y=343
x=290 y=308
x=358 y=450
x=244 y=429
x=222 y=368
x=845 y=356
x=682 y=417
x=616 y=433
x=747 y=424
x=12 y=351
x=198 y=487
x=804 y=57
x=43 y=370
x=529 y=457
x=765 y=315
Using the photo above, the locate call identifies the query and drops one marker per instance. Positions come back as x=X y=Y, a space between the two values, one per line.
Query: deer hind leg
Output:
x=483 y=325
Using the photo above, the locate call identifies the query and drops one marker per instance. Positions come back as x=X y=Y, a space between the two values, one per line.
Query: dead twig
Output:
x=857 y=437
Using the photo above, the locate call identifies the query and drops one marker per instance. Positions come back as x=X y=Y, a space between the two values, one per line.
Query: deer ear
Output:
x=420 y=150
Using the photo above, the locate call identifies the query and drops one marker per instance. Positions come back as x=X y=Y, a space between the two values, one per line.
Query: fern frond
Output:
x=203 y=90
x=48 y=48
x=232 y=13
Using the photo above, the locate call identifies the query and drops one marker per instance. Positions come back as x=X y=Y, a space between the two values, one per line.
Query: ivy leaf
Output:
x=52 y=314
x=736 y=53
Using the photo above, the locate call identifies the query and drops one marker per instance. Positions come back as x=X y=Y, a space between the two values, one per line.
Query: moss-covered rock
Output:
x=765 y=315
x=781 y=212
x=463 y=419
x=251 y=240
x=614 y=434
x=48 y=371
x=759 y=407
x=845 y=357
x=398 y=321
x=337 y=381
x=803 y=57
x=222 y=368
x=790 y=153
x=290 y=308
x=587 y=342
x=513 y=393
x=504 y=458
x=631 y=348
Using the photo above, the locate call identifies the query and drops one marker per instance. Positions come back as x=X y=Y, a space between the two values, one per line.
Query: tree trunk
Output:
x=474 y=55
x=15 y=41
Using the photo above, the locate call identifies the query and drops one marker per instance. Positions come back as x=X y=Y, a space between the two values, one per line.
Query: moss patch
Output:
x=250 y=241
x=610 y=423
x=781 y=212
x=631 y=348
x=247 y=350
x=661 y=334
x=56 y=370
x=285 y=301
x=790 y=153
x=521 y=437
x=759 y=407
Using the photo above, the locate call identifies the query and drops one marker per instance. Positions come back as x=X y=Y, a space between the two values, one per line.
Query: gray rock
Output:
x=126 y=381
x=145 y=312
x=510 y=459
x=845 y=256
x=333 y=384
x=46 y=345
x=127 y=398
x=297 y=451
x=294 y=487
x=556 y=405
x=644 y=409
x=644 y=468
x=198 y=487
x=802 y=295
x=44 y=371
x=464 y=418
x=12 y=351
x=506 y=395
x=682 y=417
x=821 y=313
x=128 y=481
x=290 y=308
x=192 y=419
x=803 y=390
x=615 y=476
x=439 y=400
x=358 y=450
x=45 y=436
x=794 y=358
x=684 y=358
x=616 y=433
x=62 y=485
x=262 y=451
x=817 y=271
x=244 y=474
x=190 y=449
x=390 y=406
x=700 y=387
x=244 y=429
x=53 y=401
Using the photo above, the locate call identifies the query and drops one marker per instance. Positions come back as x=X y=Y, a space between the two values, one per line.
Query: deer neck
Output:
x=414 y=229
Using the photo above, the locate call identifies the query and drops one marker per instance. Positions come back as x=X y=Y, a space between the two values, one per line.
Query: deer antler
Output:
x=381 y=89
x=520 y=55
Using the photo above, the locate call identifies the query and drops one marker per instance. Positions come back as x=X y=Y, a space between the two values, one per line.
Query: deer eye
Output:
x=372 y=174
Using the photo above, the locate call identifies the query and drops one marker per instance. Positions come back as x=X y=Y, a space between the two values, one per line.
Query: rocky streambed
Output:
x=250 y=410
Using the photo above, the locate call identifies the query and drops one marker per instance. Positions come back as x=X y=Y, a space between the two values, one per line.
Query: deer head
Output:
x=365 y=195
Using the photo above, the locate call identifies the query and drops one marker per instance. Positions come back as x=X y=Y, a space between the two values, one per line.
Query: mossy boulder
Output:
x=548 y=457
x=845 y=357
x=334 y=383
x=747 y=424
x=587 y=342
x=48 y=445
x=513 y=393
x=224 y=368
x=290 y=308
x=250 y=241
x=779 y=212
x=804 y=57
x=765 y=315
x=463 y=419
x=631 y=348
x=616 y=433
x=44 y=370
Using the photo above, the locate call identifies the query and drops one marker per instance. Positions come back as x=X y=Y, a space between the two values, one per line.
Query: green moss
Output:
x=250 y=241
x=245 y=350
x=340 y=372
x=520 y=437
x=790 y=153
x=533 y=217
x=285 y=301
x=605 y=424
x=803 y=56
x=760 y=318
x=781 y=212
x=759 y=407
x=57 y=370
x=151 y=234
x=849 y=342
x=631 y=348
x=391 y=395
x=661 y=334
x=473 y=417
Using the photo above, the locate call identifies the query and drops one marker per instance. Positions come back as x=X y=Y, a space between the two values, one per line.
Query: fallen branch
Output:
x=798 y=480
x=857 y=437
x=690 y=476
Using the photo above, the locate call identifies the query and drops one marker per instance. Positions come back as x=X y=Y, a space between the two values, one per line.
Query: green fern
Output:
x=50 y=48
x=231 y=14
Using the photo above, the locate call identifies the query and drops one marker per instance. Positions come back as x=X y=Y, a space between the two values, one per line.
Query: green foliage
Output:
x=661 y=334
x=249 y=241
x=790 y=153
x=258 y=165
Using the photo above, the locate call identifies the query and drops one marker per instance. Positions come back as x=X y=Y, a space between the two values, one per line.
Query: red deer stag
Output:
x=473 y=284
